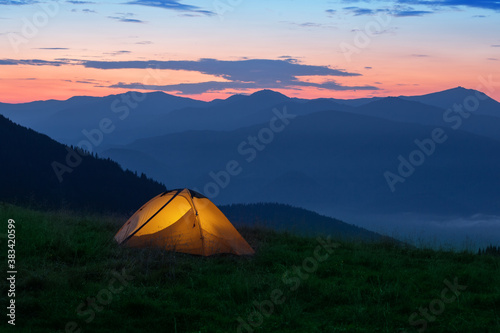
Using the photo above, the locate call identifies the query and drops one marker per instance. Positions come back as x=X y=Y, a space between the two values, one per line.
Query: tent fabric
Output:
x=185 y=221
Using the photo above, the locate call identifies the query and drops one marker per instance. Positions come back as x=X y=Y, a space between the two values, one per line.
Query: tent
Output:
x=182 y=220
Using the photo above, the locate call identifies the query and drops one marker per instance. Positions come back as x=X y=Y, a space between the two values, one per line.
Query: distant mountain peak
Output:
x=457 y=89
x=158 y=93
x=457 y=92
x=463 y=90
x=268 y=93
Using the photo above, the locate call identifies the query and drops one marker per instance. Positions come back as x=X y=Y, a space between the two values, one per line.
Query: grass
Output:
x=65 y=260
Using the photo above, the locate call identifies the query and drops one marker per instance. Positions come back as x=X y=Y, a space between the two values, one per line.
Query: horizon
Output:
x=206 y=51
x=248 y=94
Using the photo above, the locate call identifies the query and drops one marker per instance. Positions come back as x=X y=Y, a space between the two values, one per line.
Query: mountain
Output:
x=234 y=112
x=134 y=115
x=355 y=159
x=333 y=159
x=65 y=121
x=40 y=172
x=300 y=221
x=409 y=111
x=401 y=110
x=265 y=96
x=448 y=98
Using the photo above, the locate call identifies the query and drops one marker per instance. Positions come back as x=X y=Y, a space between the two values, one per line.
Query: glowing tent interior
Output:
x=185 y=221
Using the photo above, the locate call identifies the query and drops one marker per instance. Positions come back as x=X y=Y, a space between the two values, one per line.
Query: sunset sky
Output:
x=211 y=49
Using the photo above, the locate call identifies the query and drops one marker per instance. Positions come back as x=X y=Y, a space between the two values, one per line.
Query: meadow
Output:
x=73 y=277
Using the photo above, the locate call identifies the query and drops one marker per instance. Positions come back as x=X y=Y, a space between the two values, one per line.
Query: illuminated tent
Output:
x=183 y=221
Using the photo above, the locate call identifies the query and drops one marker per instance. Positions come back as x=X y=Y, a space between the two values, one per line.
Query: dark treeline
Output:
x=86 y=183
x=491 y=250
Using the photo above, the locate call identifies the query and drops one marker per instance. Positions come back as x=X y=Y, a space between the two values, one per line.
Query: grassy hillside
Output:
x=68 y=266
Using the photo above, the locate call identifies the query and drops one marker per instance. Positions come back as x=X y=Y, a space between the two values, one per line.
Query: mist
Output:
x=421 y=230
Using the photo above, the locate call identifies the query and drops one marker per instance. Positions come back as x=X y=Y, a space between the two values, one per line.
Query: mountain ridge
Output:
x=29 y=175
x=347 y=165
x=151 y=114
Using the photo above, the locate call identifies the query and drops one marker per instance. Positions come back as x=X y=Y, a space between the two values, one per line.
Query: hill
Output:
x=295 y=220
x=74 y=277
x=43 y=173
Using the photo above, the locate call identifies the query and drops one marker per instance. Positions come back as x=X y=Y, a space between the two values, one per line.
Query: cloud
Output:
x=238 y=74
x=420 y=55
x=244 y=70
x=144 y=42
x=288 y=59
x=32 y=62
x=308 y=25
x=357 y=11
x=51 y=48
x=171 y=5
x=397 y=11
x=86 y=11
x=241 y=74
x=117 y=53
x=126 y=17
x=126 y=20
x=391 y=30
x=17 y=2
x=331 y=12
x=406 y=13
x=80 y=2
x=496 y=45
x=239 y=70
x=402 y=8
x=213 y=86
x=485 y=4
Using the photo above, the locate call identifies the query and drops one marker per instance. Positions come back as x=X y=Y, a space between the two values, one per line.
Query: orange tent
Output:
x=182 y=220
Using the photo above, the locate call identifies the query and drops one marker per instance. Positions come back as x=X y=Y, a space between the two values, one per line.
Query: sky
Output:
x=207 y=49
